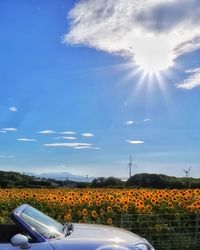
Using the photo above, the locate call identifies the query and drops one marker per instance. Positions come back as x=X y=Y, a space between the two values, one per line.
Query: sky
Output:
x=85 y=84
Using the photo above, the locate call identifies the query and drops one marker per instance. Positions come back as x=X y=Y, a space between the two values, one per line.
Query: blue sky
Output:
x=84 y=84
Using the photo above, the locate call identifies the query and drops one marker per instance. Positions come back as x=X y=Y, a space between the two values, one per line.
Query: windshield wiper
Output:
x=67 y=229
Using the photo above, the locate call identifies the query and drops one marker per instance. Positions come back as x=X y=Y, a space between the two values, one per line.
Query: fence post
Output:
x=196 y=231
x=121 y=222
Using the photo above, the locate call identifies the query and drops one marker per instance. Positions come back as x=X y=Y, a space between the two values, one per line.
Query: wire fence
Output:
x=164 y=231
x=176 y=231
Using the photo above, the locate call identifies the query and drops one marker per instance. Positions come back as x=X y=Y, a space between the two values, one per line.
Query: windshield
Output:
x=46 y=226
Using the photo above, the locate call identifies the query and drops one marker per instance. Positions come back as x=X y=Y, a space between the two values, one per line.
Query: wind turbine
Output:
x=130 y=165
x=187 y=172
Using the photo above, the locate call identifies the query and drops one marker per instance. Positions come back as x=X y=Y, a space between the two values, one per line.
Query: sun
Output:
x=153 y=55
x=153 y=62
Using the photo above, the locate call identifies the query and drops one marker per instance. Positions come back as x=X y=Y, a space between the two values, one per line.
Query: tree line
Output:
x=10 y=179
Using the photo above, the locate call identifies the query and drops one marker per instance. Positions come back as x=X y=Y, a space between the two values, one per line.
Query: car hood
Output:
x=87 y=236
x=98 y=232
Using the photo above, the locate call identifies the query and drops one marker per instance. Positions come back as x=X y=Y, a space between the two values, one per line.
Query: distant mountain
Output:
x=10 y=179
x=63 y=176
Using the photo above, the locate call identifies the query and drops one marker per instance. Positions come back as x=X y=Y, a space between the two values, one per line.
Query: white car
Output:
x=37 y=231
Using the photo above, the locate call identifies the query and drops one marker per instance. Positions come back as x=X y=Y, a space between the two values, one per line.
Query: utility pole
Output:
x=86 y=178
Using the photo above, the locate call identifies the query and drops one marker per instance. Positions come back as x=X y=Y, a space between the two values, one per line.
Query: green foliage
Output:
x=14 y=179
x=166 y=231
x=107 y=182
x=161 y=181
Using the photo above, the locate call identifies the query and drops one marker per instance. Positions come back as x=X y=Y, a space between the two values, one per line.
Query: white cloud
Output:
x=68 y=144
x=47 y=132
x=146 y=120
x=9 y=129
x=150 y=31
x=69 y=137
x=87 y=134
x=129 y=122
x=66 y=138
x=192 y=80
x=68 y=133
x=86 y=147
x=26 y=139
x=13 y=109
x=134 y=142
x=3 y=131
x=191 y=71
x=6 y=156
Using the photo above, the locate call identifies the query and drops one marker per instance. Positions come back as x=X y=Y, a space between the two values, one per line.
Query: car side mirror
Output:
x=20 y=240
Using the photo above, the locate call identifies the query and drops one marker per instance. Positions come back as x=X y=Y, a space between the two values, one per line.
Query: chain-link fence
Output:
x=164 y=231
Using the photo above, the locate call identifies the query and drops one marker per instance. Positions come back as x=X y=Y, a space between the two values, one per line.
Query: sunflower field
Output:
x=148 y=212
